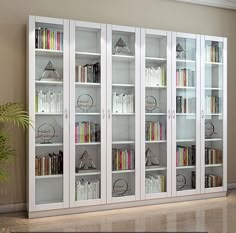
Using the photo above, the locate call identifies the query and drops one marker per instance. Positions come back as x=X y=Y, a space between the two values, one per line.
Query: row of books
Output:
x=154 y=183
x=87 y=132
x=213 y=53
x=213 y=156
x=212 y=181
x=48 y=102
x=155 y=76
x=185 y=78
x=87 y=189
x=213 y=104
x=89 y=73
x=185 y=156
x=46 y=38
x=122 y=103
x=122 y=159
x=50 y=164
x=185 y=105
x=155 y=131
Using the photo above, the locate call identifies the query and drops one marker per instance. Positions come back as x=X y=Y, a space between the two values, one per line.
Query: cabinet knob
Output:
x=66 y=114
x=203 y=114
x=103 y=114
x=169 y=114
x=173 y=114
x=109 y=114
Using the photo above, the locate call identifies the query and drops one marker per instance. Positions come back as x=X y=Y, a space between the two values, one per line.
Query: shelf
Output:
x=56 y=83
x=155 y=59
x=87 y=84
x=213 y=63
x=48 y=114
x=213 y=114
x=123 y=171
x=123 y=114
x=185 y=167
x=214 y=165
x=87 y=113
x=213 y=139
x=185 y=88
x=49 y=176
x=155 y=168
x=155 y=87
x=122 y=142
x=48 y=52
x=156 y=114
x=123 y=85
x=123 y=58
x=185 y=61
x=160 y=141
x=185 y=114
x=213 y=89
x=87 y=143
x=88 y=173
x=88 y=55
x=186 y=140
x=48 y=144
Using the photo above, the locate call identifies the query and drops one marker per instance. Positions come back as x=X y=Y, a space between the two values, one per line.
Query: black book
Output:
x=193 y=155
x=178 y=104
x=193 y=179
x=36 y=38
x=206 y=156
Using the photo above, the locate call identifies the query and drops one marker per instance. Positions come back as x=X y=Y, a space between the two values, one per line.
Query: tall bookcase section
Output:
x=123 y=114
x=185 y=114
x=48 y=108
x=214 y=114
x=88 y=113
x=155 y=114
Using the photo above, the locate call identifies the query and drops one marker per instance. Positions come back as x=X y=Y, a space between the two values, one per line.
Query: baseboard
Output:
x=12 y=208
x=231 y=186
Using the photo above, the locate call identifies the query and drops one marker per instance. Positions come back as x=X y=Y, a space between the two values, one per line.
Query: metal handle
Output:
x=66 y=114
x=203 y=114
x=173 y=114
x=103 y=114
x=169 y=114
x=109 y=114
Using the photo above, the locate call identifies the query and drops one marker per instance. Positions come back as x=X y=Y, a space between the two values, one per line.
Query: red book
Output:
x=120 y=160
x=58 y=41
x=177 y=158
x=48 y=39
x=185 y=83
x=129 y=160
x=185 y=156
x=177 y=78
x=161 y=131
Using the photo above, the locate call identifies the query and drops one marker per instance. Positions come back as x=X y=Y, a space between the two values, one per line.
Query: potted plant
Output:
x=10 y=113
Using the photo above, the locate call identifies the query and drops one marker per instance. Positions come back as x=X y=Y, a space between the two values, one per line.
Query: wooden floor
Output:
x=212 y=215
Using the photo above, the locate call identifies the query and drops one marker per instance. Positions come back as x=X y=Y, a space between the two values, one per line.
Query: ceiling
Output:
x=229 y=4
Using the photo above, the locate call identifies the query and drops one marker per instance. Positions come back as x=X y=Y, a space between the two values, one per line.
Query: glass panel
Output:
x=213 y=116
x=185 y=114
x=123 y=114
x=155 y=114
x=87 y=114
x=48 y=113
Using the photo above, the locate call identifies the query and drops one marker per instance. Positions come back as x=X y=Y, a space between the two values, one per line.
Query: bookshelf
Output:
x=126 y=115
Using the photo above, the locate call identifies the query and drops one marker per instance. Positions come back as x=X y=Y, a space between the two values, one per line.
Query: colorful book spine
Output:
x=185 y=156
x=122 y=159
x=155 y=131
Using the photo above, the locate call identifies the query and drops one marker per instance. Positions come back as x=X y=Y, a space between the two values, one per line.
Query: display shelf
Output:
x=185 y=61
x=159 y=141
x=214 y=63
x=123 y=171
x=155 y=59
x=88 y=55
x=185 y=167
x=121 y=85
x=56 y=83
x=185 y=88
x=122 y=142
x=185 y=114
x=186 y=140
x=124 y=58
x=155 y=87
x=48 y=114
x=214 y=165
x=155 y=168
x=123 y=114
x=87 y=143
x=48 y=144
x=155 y=114
x=88 y=173
x=80 y=84
x=213 y=139
x=213 y=114
x=87 y=113
x=48 y=52
x=213 y=89
x=49 y=176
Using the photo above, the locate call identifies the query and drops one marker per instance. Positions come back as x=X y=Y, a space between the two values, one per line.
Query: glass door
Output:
x=155 y=113
x=48 y=108
x=123 y=113
x=88 y=96
x=185 y=114
x=213 y=114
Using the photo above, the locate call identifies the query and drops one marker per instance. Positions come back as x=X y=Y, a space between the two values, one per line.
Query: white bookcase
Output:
x=123 y=116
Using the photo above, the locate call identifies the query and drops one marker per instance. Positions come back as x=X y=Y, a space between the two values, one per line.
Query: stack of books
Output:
x=213 y=104
x=46 y=38
x=51 y=164
x=185 y=156
x=122 y=159
x=87 y=189
x=87 y=132
x=155 y=131
x=185 y=105
x=213 y=52
x=89 y=73
x=213 y=156
x=48 y=102
x=212 y=181
x=154 y=184
x=185 y=78
x=155 y=76
x=122 y=103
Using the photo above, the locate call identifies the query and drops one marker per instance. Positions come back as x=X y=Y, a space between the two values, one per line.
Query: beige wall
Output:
x=157 y=14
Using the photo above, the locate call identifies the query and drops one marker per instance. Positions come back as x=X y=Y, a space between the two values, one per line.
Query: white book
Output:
x=85 y=74
x=79 y=74
x=42 y=166
x=49 y=165
x=119 y=103
x=114 y=103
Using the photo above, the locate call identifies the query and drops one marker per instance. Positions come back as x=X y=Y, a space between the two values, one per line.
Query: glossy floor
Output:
x=212 y=215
